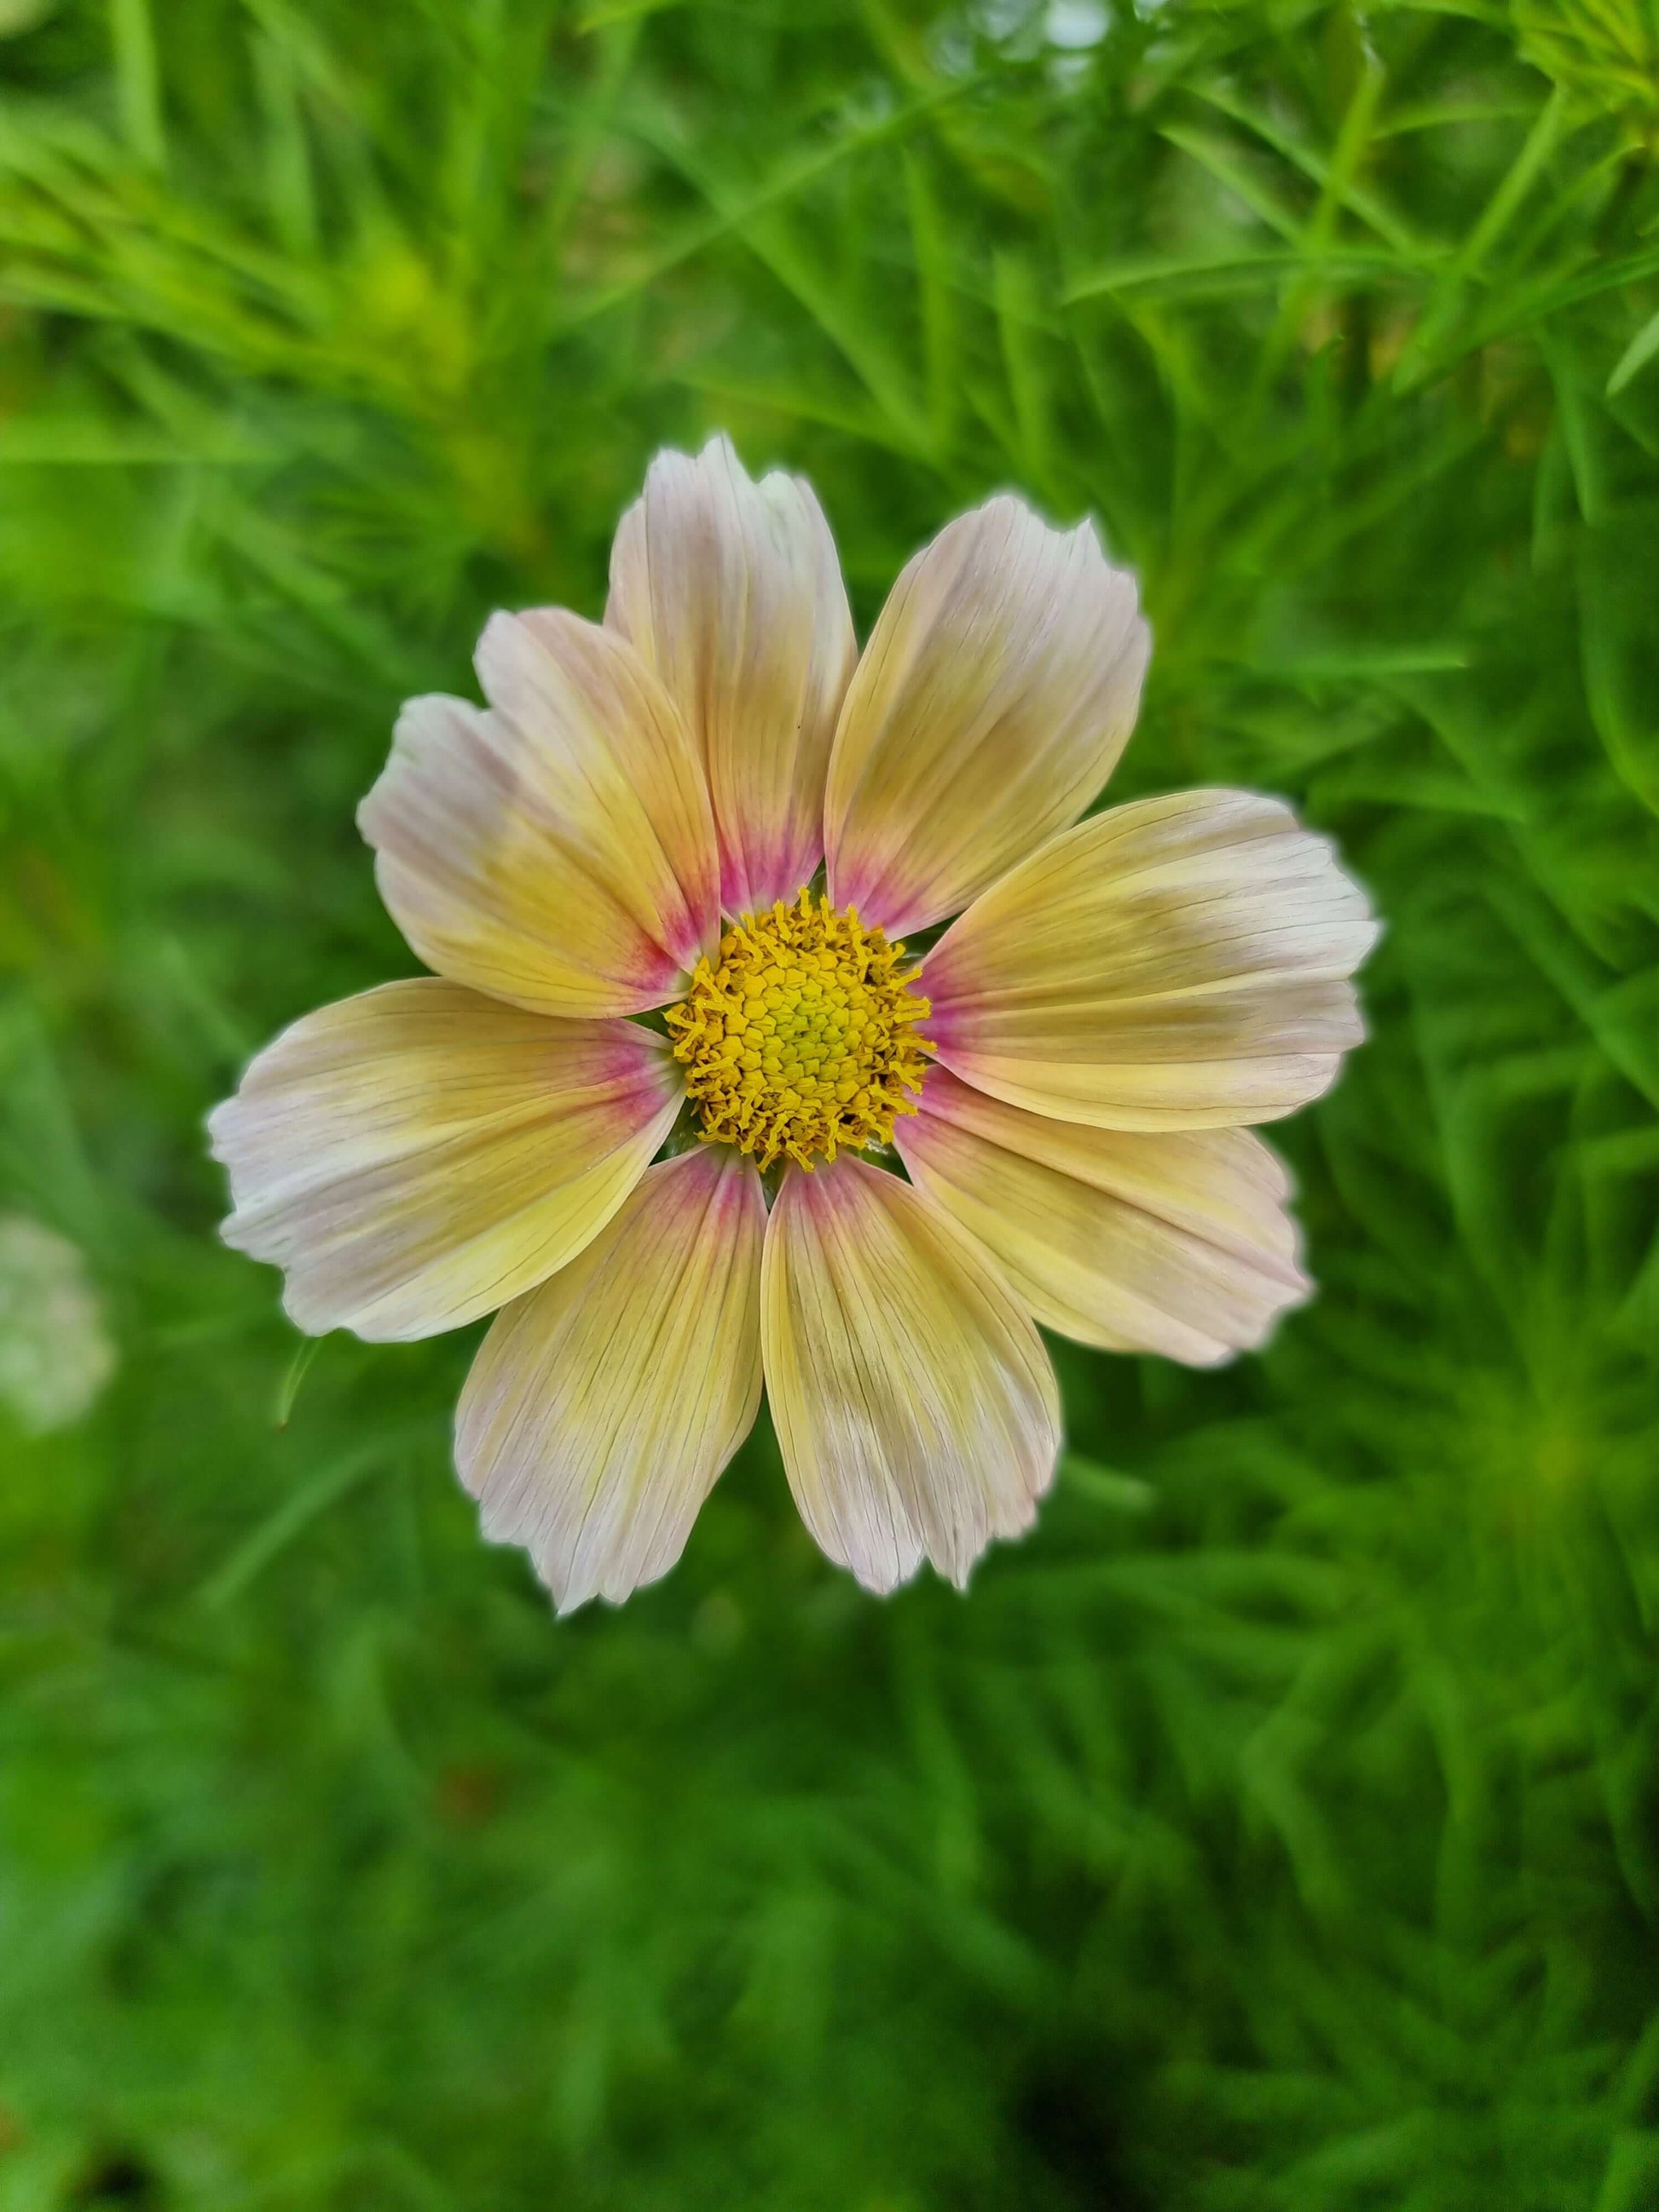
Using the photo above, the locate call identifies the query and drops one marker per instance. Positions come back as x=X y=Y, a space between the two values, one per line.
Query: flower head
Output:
x=856 y=1176
x=802 y=1039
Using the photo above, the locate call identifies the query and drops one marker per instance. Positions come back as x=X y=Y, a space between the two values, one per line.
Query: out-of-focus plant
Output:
x=1603 y=54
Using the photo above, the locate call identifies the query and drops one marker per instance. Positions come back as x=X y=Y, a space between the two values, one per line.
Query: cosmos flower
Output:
x=829 y=1165
x=56 y=1352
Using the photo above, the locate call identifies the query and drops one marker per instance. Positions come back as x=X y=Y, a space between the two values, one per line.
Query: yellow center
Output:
x=801 y=1040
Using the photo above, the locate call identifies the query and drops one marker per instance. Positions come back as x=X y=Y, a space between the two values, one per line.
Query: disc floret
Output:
x=799 y=1040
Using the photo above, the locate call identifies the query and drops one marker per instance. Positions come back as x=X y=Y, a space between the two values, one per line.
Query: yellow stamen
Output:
x=801 y=1040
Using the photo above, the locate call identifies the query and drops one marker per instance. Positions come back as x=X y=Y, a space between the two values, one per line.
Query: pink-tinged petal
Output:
x=1177 y=963
x=600 y=1408
x=558 y=850
x=1177 y=1243
x=997 y=690
x=731 y=592
x=415 y=1156
x=914 y=1404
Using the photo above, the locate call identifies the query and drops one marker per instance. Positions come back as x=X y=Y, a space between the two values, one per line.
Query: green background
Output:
x=1278 y=1827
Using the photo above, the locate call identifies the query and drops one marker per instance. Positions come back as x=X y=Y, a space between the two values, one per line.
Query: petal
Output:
x=417 y=1155
x=600 y=1408
x=913 y=1402
x=558 y=851
x=1175 y=964
x=731 y=592
x=993 y=698
x=1177 y=1242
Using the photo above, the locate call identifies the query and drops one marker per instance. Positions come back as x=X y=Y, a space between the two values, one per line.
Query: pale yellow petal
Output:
x=556 y=850
x=730 y=591
x=1175 y=964
x=1177 y=1243
x=415 y=1156
x=914 y=1404
x=600 y=1408
x=998 y=688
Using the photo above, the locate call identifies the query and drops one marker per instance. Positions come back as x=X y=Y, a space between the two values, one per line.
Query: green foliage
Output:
x=1275 y=1831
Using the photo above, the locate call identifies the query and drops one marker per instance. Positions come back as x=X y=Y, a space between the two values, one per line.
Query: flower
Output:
x=906 y=1162
x=56 y=1353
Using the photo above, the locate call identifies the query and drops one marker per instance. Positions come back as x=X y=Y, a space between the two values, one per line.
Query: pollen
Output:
x=799 y=1041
